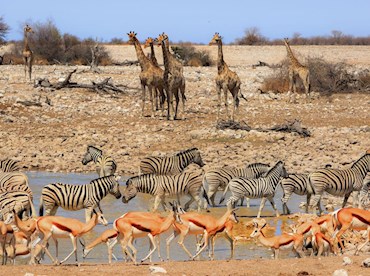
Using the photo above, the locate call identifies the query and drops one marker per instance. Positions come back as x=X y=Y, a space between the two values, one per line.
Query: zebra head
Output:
x=115 y=187
x=130 y=191
x=198 y=159
x=90 y=154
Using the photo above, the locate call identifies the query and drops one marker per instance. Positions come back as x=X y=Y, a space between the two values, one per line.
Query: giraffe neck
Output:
x=166 y=63
x=152 y=54
x=170 y=57
x=291 y=56
x=26 y=46
x=143 y=60
x=220 y=60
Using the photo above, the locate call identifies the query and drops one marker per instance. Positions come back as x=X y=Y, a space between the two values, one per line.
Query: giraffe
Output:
x=296 y=69
x=172 y=82
x=176 y=69
x=150 y=76
x=27 y=53
x=149 y=42
x=226 y=79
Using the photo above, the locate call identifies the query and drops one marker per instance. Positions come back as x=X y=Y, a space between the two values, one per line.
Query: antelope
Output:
x=4 y=230
x=109 y=237
x=354 y=218
x=61 y=227
x=194 y=223
x=320 y=242
x=284 y=241
x=136 y=227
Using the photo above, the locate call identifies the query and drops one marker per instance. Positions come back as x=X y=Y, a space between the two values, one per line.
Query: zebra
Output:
x=8 y=165
x=18 y=201
x=340 y=182
x=218 y=178
x=298 y=184
x=105 y=165
x=189 y=183
x=14 y=181
x=263 y=187
x=170 y=165
x=364 y=193
x=77 y=197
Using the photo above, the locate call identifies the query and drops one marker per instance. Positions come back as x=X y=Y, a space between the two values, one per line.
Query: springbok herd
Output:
x=22 y=233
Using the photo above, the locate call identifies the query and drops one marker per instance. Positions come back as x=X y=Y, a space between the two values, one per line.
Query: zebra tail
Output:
x=205 y=195
x=41 y=209
x=310 y=187
x=224 y=194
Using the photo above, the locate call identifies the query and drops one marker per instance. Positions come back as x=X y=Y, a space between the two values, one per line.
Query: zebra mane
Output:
x=95 y=148
x=138 y=176
x=104 y=177
x=185 y=151
x=273 y=168
x=9 y=165
x=257 y=164
x=359 y=160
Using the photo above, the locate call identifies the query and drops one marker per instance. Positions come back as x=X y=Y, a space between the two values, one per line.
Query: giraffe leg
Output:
x=218 y=88
x=142 y=98
x=225 y=89
x=182 y=89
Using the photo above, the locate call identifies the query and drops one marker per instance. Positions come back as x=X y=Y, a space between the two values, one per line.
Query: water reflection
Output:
x=114 y=208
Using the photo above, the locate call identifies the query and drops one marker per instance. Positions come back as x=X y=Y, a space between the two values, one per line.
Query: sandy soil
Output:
x=53 y=135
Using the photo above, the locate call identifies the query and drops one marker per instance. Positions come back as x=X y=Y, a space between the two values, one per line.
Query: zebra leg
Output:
x=308 y=203
x=187 y=204
x=346 y=196
x=355 y=199
x=158 y=199
x=271 y=199
x=88 y=212
x=285 y=199
x=314 y=200
x=262 y=205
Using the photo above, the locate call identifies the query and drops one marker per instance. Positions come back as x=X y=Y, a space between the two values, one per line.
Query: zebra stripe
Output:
x=188 y=183
x=105 y=165
x=263 y=187
x=298 y=184
x=20 y=202
x=77 y=197
x=219 y=178
x=340 y=182
x=364 y=193
x=170 y=165
x=14 y=182
x=8 y=165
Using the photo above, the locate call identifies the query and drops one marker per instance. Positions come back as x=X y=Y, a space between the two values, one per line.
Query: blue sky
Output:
x=190 y=20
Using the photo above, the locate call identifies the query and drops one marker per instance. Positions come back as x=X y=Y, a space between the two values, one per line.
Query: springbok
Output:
x=284 y=241
x=3 y=234
x=320 y=243
x=194 y=223
x=109 y=236
x=357 y=219
x=61 y=227
x=136 y=227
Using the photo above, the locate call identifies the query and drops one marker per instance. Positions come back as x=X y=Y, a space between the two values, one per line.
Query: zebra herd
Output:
x=169 y=176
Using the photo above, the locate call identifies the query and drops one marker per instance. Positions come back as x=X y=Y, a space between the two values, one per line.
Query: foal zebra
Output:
x=218 y=178
x=77 y=197
x=8 y=165
x=263 y=187
x=340 y=182
x=172 y=164
x=105 y=165
x=189 y=183
x=298 y=184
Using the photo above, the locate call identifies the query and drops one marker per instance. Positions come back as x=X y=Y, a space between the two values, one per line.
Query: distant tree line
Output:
x=253 y=36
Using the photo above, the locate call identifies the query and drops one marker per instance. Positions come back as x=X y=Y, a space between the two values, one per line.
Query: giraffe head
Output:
x=132 y=36
x=215 y=39
x=28 y=29
x=161 y=37
x=286 y=40
x=149 y=42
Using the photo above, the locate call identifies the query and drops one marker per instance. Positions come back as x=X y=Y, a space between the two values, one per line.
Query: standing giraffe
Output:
x=296 y=69
x=149 y=42
x=226 y=79
x=27 y=53
x=151 y=76
x=177 y=71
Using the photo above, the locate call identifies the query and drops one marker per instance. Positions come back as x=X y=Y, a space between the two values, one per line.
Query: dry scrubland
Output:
x=53 y=135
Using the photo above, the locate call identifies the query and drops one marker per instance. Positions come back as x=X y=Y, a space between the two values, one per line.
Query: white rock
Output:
x=340 y=272
x=157 y=269
x=346 y=261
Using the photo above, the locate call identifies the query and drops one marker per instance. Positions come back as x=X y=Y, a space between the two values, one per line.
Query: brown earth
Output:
x=54 y=135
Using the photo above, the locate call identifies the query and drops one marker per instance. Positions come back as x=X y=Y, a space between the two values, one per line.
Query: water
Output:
x=113 y=208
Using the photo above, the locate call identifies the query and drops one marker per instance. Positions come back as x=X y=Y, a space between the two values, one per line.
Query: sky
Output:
x=189 y=20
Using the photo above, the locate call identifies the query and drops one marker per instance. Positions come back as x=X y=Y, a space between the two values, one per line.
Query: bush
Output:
x=191 y=56
x=252 y=37
x=4 y=29
x=325 y=77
